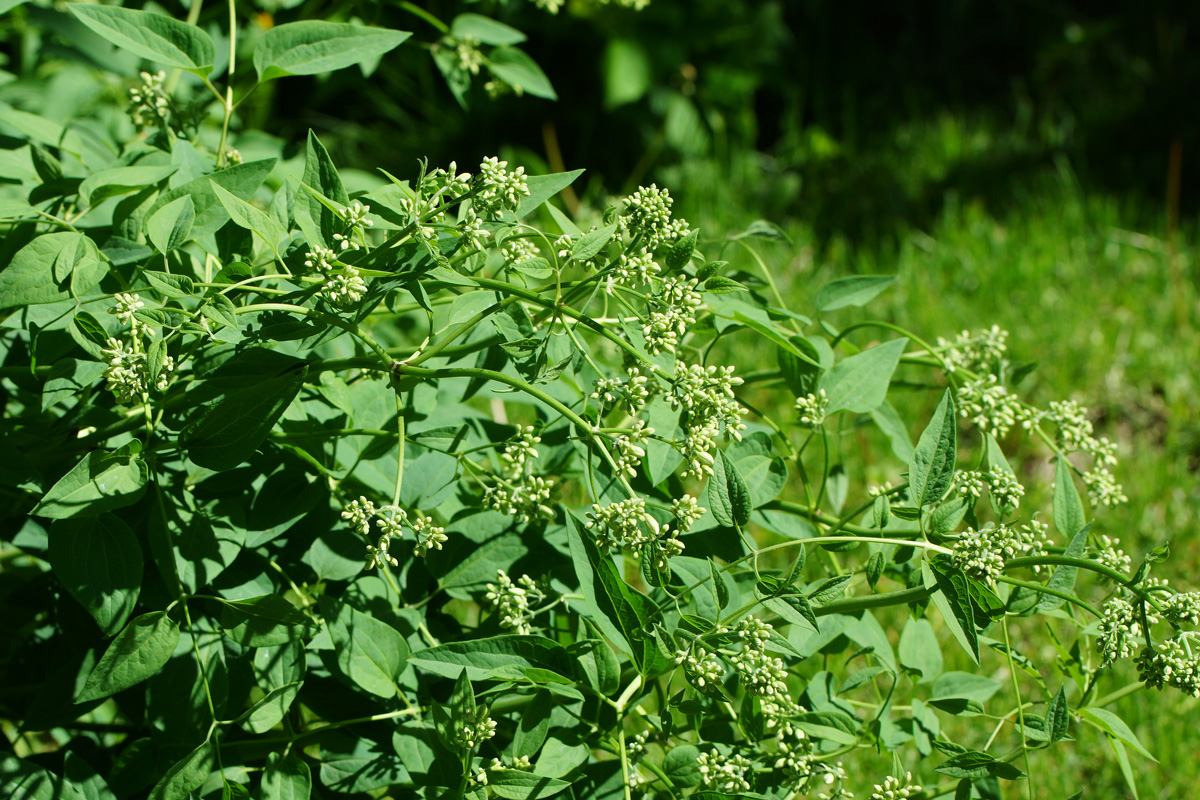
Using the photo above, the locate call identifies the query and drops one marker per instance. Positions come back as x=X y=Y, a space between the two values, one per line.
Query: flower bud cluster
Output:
x=521 y=763
x=390 y=521
x=498 y=188
x=634 y=269
x=702 y=668
x=472 y=231
x=149 y=103
x=686 y=510
x=1172 y=664
x=128 y=369
x=647 y=218
x=520 y=452
x=1112 y=556
x=619 y=523
x=1075 y=433
x=673 y=312
x=355 y=218
x=1003 y=486
x=706 y=394
x=518 y=250
x=527 y=500
x=982 y=351
x=1118 y=628
x=982 y=553
x=894 y=788
x=1183 y=607
x=989 y=405
x=512 y=600
x=724 y=773
x=633 y=392
x=473 y=731
x=813 y=408
x=345 y=288
x=128 y=373
x=760 y=674
x=629 y=448
x=470 y=58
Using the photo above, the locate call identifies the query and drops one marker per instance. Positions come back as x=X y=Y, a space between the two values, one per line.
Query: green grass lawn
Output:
x=1089 y=287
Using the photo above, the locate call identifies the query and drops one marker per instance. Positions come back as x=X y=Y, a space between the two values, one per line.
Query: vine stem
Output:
x=1012 y=671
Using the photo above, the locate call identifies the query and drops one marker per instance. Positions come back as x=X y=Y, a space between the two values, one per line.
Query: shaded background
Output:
x=830 y=100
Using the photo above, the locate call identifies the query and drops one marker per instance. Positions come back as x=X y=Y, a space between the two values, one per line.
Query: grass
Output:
x=1091 y=289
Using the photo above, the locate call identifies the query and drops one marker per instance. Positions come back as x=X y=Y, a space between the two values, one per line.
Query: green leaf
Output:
x=719 y=588
x=515 y=784
x=833 y=726
x=680 y=765
x=1114 y=726
x=769 y=331
x=247 y=216
x=241 y=180
x=1064 y=576
x=919 y=649
x=534 y=724
x=186 y=776
x=153 y=37
x=134 y=655
x=100 y=482
x=494 y=658
x=679 y=252
x=106 y=183
x=321 y=175
x=23 y=780
x=99 y=561
x=220 y=310
x=232 y=430
x=931 y=468
x=264 y=621
x=269 y=712
x=170 y=226
x=175 y=286
x=856 y=290
x=729 y=498
x=1069 y=517
x=860 y=382
x=719 y=284
x=29 y=278
x=618 y=611
x=286 y=778
x=591 y=243
x=353 y=765
x=1058 y=716
x=954 y=601
x=975 y=764
x=828 y=590
x=521 y=72
x=542 y=188
x=889 y=422
x=485 y=30
x=311 y=47
x=1126 y=768
x=369 y=652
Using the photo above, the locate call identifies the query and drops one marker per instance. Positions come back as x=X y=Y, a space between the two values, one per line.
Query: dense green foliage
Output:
x=321 y=481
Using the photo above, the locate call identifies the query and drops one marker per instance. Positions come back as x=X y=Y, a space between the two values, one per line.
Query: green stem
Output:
x=1012 y=671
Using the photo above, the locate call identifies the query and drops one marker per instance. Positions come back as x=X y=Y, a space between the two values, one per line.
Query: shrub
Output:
x=423 y=487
